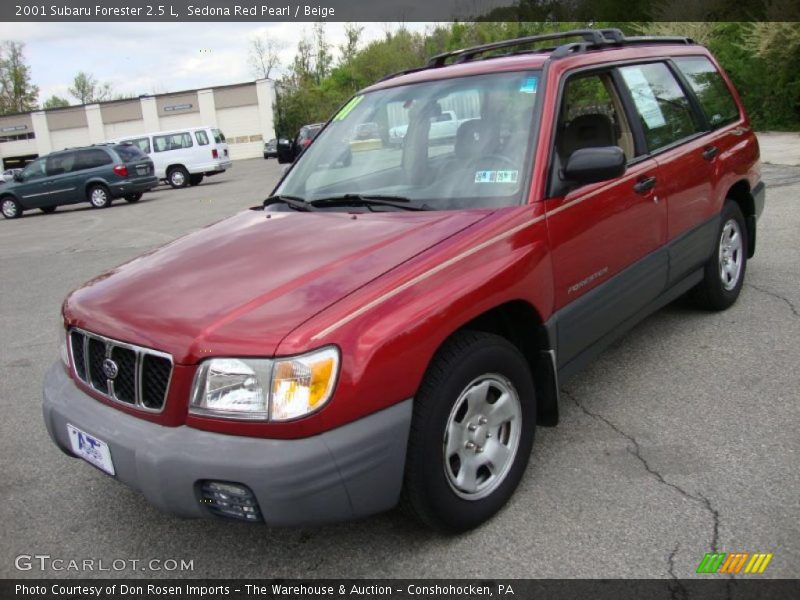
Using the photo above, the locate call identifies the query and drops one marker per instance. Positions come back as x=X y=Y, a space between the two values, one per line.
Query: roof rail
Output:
x=590 y=39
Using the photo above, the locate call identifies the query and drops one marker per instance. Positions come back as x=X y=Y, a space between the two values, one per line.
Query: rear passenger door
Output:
x=63 y=179
x=673 y=134
x=604 y=236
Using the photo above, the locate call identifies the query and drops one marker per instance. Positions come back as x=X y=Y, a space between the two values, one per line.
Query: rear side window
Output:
x=59 y=164
x=129 y=152
x=662 y=107
x=201 y=137
x=173 y=141
x=142 y=143
x=219 y=137
x=91 y=158
x=710 y=88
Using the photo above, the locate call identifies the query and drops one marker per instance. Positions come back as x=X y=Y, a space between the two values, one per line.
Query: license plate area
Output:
x=91 y=449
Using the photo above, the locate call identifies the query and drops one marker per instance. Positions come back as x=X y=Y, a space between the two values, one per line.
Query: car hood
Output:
x=240 y=286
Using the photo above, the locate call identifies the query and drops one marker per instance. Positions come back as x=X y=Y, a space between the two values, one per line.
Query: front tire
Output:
x=178 y=177
x=471 y=432
x=10 y=208
x=724 y=272
x=99 y=196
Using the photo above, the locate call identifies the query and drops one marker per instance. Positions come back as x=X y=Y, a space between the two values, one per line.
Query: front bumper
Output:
x=349 y=472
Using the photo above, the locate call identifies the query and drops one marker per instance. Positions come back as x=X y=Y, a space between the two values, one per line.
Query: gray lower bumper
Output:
x=349 y=472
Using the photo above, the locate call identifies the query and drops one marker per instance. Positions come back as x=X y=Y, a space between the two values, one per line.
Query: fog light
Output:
x=231 y=500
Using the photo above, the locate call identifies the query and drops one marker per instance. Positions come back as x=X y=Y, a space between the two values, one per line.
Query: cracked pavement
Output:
x=680 y=439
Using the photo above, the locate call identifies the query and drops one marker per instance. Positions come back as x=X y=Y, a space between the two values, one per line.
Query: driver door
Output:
x=34 y=189
x=604 y=236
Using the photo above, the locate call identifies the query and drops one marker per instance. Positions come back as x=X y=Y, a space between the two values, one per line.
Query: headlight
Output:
x=265 y=389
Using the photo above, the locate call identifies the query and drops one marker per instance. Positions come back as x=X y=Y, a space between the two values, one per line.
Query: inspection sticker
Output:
x=529 y=85
x=496 y=176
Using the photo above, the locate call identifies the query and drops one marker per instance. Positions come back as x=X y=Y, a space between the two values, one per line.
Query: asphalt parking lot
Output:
x=681 y=439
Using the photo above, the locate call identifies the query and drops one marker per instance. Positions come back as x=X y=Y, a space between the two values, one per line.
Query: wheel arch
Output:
x=521 y=323
x=93 y=182
x=740 y=193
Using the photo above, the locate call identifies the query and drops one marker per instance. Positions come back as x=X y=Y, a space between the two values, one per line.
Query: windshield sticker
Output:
x=529 y=85
x=347 y=108
x=496 y=176
x=644 y=97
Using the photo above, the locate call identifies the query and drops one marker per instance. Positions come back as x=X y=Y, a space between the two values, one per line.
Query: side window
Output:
x=201 y=137
x=592 y=116
x=142 y=143
x=173 y=141
x=663 y=109
x=710 y=88
x=219 y=137
x=58 y=164
x=91 y=158
x=34 y=171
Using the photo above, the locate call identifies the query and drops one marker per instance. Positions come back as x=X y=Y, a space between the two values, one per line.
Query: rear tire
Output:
x=48 y=210
x=134 y=197
x=724 y=272
x=471 y=432
x=195 y=179
x=10 y=208
x=178 y=177
x=99 y=196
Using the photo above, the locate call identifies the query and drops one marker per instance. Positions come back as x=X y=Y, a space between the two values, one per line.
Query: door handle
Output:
x=710 y=152
x=644 y=184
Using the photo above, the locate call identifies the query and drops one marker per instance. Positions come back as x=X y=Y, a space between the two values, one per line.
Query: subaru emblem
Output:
x=110 y=368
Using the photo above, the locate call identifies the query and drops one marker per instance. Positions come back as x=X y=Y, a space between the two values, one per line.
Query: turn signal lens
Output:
x=303 y=384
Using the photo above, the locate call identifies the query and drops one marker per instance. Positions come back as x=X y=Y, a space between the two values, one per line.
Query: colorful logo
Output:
x=734 y=562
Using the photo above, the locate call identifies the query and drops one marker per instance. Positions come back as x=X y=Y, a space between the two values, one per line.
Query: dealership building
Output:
x=244 y=113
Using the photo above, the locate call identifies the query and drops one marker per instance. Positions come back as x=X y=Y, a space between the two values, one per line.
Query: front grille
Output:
x=123 y=372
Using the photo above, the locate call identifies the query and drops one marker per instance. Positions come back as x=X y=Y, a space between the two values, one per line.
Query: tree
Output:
x=86 y=89
x=264 y=56
x=349 y=49
x=322 y=54
x=17 y=93
x=55 y=102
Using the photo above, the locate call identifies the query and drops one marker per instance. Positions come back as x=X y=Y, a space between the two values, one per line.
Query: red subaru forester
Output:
x=393 y=323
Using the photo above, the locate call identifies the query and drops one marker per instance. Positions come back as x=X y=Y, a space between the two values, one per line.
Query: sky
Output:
x=148 y=58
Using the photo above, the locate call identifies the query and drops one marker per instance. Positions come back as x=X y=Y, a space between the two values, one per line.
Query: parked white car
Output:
x=443 y=128
x=184 y=156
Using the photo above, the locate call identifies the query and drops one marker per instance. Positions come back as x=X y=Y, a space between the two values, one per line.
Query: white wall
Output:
x=241 y=121
x=180 y=121
x=69 y=138
x=124 y=129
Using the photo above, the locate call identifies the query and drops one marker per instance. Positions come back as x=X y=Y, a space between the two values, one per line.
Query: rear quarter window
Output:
x=201 y=137
x=128 y=152
x=219 y=137
x=91 y=158
x=710 y=88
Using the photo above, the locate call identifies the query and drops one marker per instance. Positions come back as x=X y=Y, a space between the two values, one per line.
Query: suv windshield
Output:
x=450 y=144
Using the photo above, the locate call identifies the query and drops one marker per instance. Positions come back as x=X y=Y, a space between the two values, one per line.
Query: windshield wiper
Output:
x=369 y=200
x=296 y=202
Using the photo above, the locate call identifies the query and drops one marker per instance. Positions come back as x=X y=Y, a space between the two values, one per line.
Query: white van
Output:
x=184 y=156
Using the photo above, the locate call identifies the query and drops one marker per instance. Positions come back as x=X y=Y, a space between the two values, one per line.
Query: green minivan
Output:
x=94 y=174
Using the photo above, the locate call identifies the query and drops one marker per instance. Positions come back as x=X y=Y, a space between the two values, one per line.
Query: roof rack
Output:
x=591 y=39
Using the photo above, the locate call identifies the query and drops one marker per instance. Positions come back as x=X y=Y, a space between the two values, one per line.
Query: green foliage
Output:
x=17 y=93
x=762 y=59
x=86 y=89
x=55 y=102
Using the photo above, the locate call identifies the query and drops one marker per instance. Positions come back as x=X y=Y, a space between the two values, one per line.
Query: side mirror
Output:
x=286 y=151
x=18 y=176
x=590 y=165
